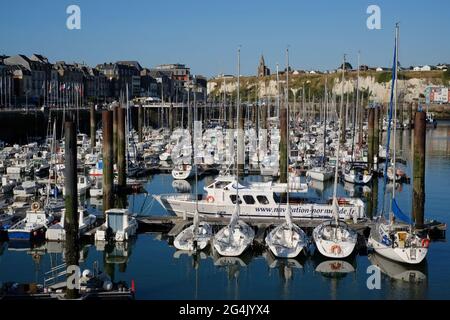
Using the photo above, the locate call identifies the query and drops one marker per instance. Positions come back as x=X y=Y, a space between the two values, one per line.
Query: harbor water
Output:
x=160 y=272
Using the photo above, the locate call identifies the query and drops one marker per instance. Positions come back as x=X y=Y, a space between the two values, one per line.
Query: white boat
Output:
x=397 y=242
x=334 y=240
x=259 y=200
x=233 y=239
x=194 y=237
x=357 y=175
x=26 y=188
x=165 y=156
x=183 y=172
x=96 y=190
x=320 y=173
x=56 y=232
x=119 y=225
x=286 y=240
x=32 y=227
x=389 y=238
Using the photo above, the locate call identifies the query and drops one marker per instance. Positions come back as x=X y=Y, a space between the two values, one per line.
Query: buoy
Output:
x=425 y=243
x=336 y=249
x=35 y=206
x=133 y=289
x=210 y=199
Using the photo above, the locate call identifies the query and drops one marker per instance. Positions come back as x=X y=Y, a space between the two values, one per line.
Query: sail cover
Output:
x=399 y=214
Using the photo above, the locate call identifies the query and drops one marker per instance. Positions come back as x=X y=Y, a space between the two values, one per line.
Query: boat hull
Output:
x=183 y=206
x=403 y=255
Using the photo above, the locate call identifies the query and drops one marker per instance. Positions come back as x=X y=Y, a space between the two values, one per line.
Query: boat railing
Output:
x=55 y=273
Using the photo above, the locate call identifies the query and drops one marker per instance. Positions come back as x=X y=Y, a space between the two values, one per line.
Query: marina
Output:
x=322 y=176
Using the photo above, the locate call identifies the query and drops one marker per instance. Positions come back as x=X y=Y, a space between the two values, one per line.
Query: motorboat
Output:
x=119 y=226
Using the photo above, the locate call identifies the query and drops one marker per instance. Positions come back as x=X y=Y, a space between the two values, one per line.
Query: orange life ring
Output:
x=425 y=243
x=336 y=249
x=210 y=199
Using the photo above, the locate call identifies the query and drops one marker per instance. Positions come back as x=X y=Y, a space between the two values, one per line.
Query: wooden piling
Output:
x=419 y=168
x=92 y=122
x=370 y=137
x=115 y=122
x=283 y=145
x=376 y=133
x=108 y=160
x=140 y=122
x=121 y=156
x=71 y=202
x=171 y=117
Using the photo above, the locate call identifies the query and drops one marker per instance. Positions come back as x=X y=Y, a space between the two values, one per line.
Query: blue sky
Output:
x=205 y=34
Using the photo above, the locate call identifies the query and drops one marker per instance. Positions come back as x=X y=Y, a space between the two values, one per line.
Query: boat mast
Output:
x=278 y=93
x=127 y=133
x=196 y=220
x=288 y=208
x=395 y=70
x=325 y=122
x=355 y=112
x=238 y=106
x=395 y=106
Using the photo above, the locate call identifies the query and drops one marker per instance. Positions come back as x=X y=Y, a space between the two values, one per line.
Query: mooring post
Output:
x=115 y=123
x=370 y=137
x=108 y=160
x=376 y=135
x=230 y=116
x=419 y=168
x=92 y=118
x=71 y=202
x=121 y=156
x=283 y=145
x=140 y=122
x=171 y=117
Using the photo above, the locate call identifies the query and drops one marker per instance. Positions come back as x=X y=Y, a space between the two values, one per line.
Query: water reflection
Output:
x=403 y=281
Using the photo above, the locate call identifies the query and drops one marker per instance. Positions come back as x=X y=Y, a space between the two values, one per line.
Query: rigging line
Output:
x=394 y=76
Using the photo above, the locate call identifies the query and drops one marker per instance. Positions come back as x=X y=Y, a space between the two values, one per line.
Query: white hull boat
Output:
x=183 y=172
x=320 y=174
x=398 y=244
x=119 y=225
x=191 y=240
x=286 y=240
x=333 y=240
x=232 y=240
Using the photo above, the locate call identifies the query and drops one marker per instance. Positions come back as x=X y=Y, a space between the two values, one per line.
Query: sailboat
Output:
x=334 y=238
x=233 y=239
x=392 y=239
x=322 y=173
x=198 y=234
x=287 y=240
x=184 y=171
